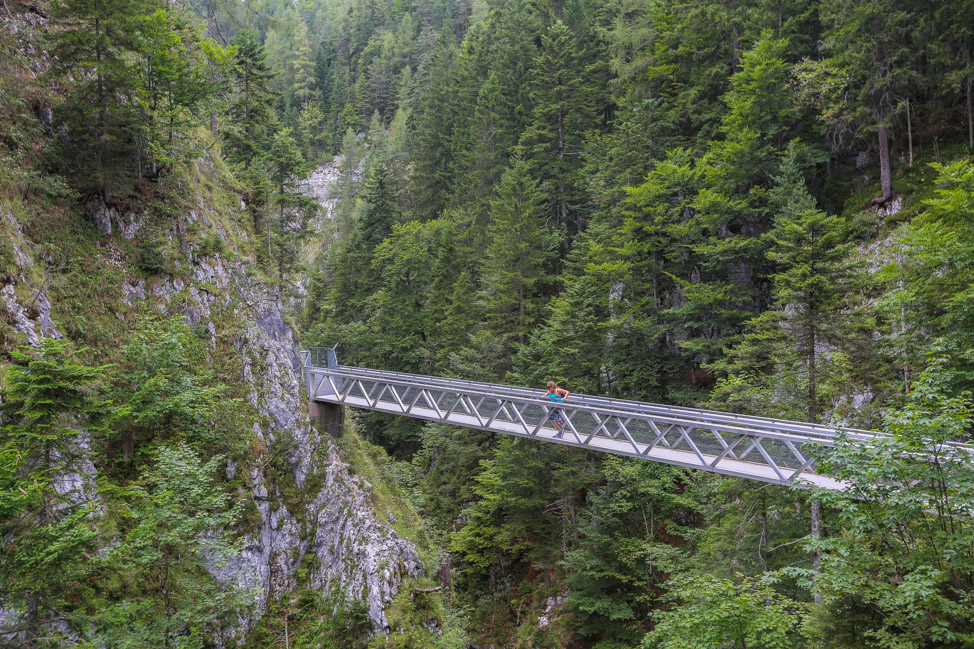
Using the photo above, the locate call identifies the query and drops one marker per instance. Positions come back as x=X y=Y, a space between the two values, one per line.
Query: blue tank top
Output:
x=555 y=397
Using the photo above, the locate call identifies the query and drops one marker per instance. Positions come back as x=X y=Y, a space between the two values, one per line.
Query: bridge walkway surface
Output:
x=759 y=448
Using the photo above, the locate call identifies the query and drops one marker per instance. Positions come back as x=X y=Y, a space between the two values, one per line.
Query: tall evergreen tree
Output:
x=651 y=261
x=517 y=252
x=303 y=63
x=563 y=107
x=287 y=168
x=175 y=82
x=809 y=249
x=93 y=52
x=431 y=150
x=48 y=527
x=356 y=279
x=251 y=107
x=870 y=70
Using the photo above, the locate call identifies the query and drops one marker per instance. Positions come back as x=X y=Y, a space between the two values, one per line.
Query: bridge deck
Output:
x=759 y=448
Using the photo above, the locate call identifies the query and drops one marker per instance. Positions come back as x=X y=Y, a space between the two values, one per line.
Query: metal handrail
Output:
x=635 y=407
x=759 y=448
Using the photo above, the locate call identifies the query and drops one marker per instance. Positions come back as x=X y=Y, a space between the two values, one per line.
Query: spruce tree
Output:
x=287 y=168
x=93 y=53
x=562 y=114
x=251 y=108
x=870 y=70
x=652 y=262
x=175 y=83
x=517 y=253
x=430 y=147
x=303 y=63
x=49 y=407
x=356 y=279
x=779 y=357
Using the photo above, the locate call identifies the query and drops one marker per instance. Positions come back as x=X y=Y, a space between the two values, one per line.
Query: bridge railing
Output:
x=768 y=455
x=759 y=448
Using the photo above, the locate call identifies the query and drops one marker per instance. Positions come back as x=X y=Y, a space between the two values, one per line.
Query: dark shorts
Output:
x=555 y=417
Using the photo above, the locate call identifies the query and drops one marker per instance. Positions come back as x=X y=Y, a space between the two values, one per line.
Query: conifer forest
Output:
x=758 y=207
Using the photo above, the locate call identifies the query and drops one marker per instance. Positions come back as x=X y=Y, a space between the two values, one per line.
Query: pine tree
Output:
x=93 y=52
x=930 y=278
x=430 y=149
x=176 y=81
x=517 y=252
x=871 y=68
x=571 y=345
x=164 y=393
x=287 y=168
x=470 y=70
x=49 y=407
x=652 y=262
x=303 y=64
x=732 y=210
x=356 y=279
x=950 y=38
x=809 y=250
x=695 y=50
x=563 y=113
x=251 y=108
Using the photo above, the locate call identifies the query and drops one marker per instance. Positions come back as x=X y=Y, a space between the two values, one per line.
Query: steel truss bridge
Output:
x=770 y=450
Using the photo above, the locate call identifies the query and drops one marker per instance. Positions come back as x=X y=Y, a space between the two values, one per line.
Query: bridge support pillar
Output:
x=330 y=417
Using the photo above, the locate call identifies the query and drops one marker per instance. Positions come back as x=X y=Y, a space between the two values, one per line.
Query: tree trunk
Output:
x=816 y=534
x=128 y=446
x=813 y=417
x=812 y=395
x=909 y=131
x=970 y=116
x=885 y=177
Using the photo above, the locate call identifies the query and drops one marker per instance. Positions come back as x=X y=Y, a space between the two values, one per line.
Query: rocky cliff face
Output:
x=335 y=519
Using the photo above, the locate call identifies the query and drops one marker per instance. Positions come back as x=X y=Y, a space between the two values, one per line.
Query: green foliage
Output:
x=616 y=572
x=250 y=107
x=100 y=36
x=178 y=525
x=905 y=544
x=807 y=246
x=47 y=526
x=141 y=77
x=517 y=250
x=357 y=275
x=418 y=619
x=621 y=196
x=716 y=613
x=563 y=100
x=177 y=82
x=150 y=255
x=934 y=272
x=285 y=168
x=165 y=394
x=332 y=624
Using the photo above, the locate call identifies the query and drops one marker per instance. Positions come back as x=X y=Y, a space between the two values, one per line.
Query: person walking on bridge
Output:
x=556 y=395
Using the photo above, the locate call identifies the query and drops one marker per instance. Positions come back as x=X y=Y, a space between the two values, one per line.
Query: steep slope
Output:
x=92 y=274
